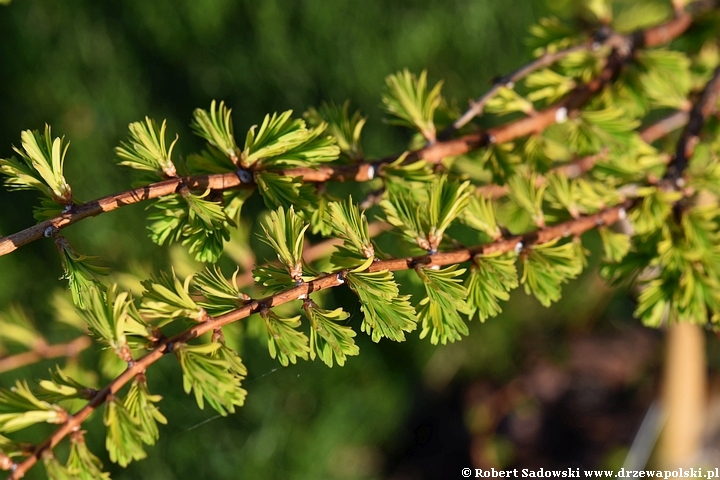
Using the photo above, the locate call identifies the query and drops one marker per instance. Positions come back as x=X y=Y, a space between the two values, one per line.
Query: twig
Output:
x=623 y=47
x=518 y=242
x=699 y=113
x=476 y=107
x=658 y=130
x=44 y=352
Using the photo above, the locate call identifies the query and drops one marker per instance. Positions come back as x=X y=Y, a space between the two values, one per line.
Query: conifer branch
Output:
x=599 y=96
x=654 y=310
x=43 y=351
x=477 y=106
x=515 y=243
x=582 y=165
x=49 y=228
x=623 y=48
x=577 y=167
x=699 y=113
x=662 y=127
x=602 y=37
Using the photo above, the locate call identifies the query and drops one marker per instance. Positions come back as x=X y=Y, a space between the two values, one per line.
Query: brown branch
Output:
x=699 y=113
x=623 y=47
x=44 y=352
x=573 y=169
x=661 y=128
x=478 y=106
x=518 y=242
x=602 y=37
x=582 y=165
x=50 y=227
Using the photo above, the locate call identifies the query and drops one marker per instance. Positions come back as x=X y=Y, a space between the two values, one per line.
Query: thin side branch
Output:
x=651 y=37
x=623 y=47
x=658 y=130
x=582 y=165
x=516 y=243
x=45 y=352
x=478 y=106
x=700 y=112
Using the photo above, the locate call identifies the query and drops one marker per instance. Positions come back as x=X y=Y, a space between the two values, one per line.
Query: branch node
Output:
x=217 y=335
x=561 y=115
x=156 y=336
x=341 y=277
x=503 y=81
x=244 y=175
x=6 y=462
x=600 y=37
x=50 y=231
x=263 y=310
x=90 y=393
x=203 y=316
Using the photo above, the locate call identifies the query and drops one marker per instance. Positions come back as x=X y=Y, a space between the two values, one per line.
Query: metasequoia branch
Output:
x=515 y=243
x=623 y=47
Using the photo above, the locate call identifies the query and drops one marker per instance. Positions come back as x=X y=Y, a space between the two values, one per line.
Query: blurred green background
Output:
x=409 y=410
